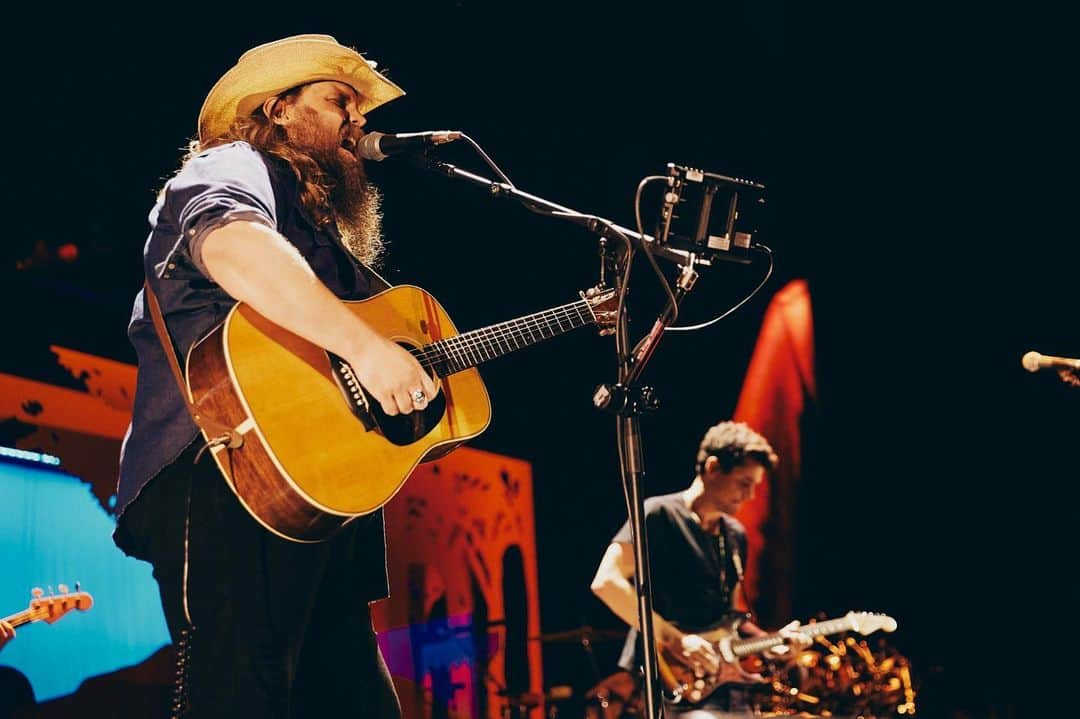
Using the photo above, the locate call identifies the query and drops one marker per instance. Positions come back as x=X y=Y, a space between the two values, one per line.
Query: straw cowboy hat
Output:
x=273 y=68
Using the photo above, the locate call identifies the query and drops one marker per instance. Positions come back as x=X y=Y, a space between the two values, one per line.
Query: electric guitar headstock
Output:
x=51 y=607
x=869 y=622
x=604 y=305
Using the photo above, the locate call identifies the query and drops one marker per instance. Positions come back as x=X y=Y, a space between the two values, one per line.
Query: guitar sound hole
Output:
x=400 y=429
x=403 y=429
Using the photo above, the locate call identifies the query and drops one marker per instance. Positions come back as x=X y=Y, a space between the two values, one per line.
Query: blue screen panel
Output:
x=53 y=531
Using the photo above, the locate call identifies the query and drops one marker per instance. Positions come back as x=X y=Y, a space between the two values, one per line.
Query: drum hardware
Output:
x=842 y=678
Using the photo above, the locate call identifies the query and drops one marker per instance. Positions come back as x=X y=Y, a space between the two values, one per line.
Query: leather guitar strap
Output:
x=736 y=559
x=215 y=431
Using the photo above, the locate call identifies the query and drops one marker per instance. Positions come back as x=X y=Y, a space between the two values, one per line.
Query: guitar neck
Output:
x=460 y=352
x=756 y=645
x=24 y=617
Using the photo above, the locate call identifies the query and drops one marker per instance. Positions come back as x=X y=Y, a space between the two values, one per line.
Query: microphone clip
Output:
x=619 y=399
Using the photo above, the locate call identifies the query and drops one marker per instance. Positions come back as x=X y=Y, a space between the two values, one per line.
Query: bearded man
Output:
x=271 y=207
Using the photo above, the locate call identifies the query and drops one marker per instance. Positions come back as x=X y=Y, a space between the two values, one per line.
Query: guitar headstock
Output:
x=870 y=622
x=604 y=304
x=49 y=608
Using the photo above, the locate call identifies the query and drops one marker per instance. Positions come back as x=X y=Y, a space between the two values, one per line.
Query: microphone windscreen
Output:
x=368 y=147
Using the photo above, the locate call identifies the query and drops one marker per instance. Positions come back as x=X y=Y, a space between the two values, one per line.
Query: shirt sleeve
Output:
x=656 y=523
x=222 y=185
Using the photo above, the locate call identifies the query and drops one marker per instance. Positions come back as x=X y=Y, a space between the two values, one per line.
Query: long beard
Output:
x=355 y=201
x=357 y=208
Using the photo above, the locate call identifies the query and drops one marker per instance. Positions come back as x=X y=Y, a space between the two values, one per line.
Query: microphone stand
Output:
x=626 y=398
x=605 y=228
x=629 y=400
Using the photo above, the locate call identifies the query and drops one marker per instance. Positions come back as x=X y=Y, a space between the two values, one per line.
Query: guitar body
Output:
x=685 y=686
x=309 y=462
x=680 y=680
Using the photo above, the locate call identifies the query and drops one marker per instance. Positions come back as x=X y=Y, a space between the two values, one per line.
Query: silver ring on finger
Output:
x=418 y=397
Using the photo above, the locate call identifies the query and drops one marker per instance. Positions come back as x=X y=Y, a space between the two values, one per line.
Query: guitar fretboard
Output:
x=469 y=349
x=753 y=645
x=25 y=617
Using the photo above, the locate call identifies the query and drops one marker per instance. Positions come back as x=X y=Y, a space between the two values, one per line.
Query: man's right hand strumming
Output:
x=392 y=376
x=701 y=656
x=388 y=372
x=697 y=653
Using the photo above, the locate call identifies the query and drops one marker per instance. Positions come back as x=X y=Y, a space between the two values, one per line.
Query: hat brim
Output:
x=275 y=67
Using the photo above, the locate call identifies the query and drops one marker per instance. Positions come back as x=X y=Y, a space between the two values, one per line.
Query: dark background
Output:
x=918 y=175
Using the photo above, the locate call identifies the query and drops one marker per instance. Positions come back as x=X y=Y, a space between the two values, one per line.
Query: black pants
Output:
x=264 y=627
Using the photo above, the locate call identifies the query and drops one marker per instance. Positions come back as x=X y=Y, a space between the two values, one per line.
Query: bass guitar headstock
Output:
x=50 y=608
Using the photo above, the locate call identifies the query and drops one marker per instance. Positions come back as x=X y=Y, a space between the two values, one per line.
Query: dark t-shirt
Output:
x=692 y=572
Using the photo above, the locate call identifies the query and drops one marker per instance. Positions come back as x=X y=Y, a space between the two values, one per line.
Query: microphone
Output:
x=378 y=146
x=1033 y=362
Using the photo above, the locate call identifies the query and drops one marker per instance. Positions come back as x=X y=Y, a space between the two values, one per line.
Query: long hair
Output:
x=328 y=199
x=258 y=131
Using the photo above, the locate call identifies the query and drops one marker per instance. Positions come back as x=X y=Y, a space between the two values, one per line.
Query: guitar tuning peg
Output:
x=37 y=592
x=63 y=588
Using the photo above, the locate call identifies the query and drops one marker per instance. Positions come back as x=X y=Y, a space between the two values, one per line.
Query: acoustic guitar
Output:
x=50 y=608
x=687 y=686
x=315 y=450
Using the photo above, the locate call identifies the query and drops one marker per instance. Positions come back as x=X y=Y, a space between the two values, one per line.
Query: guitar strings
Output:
x=468 y=349
x=477 y=339
x=28 y=615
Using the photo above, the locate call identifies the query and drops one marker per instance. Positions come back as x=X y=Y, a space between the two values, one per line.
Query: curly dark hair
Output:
x=733 y=443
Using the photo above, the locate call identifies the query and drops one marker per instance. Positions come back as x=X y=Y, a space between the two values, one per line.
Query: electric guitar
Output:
x=687 y=686
x=316 y=450
x=50 y=608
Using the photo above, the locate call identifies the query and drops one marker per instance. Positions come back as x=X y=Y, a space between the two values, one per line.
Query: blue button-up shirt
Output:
x=223 y=184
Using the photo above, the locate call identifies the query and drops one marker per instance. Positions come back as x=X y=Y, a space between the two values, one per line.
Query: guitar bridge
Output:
x=355 y=396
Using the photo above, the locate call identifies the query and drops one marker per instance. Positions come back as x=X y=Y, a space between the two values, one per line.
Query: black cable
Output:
x=739 y=304
x=648 y=251
x=488 y=160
